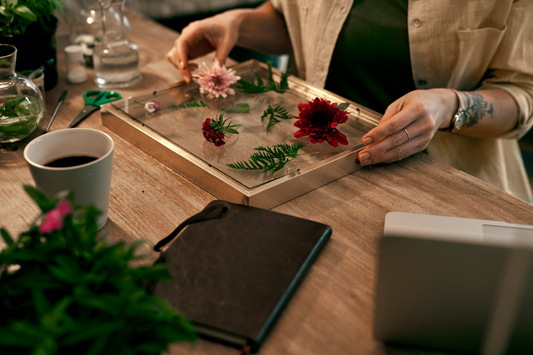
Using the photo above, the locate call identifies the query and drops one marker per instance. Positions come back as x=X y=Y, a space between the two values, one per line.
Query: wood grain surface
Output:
x=332 y=311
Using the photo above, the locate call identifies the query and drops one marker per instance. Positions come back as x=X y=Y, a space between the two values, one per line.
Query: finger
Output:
x=384 y=145
x=395 y=124
x=395 y=154
x=182 y=51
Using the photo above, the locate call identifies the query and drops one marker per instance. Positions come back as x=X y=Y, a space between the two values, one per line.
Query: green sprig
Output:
x=275 y=115
x=271 y=158
x=250 y=87
x=220 y=126
x=191 y=104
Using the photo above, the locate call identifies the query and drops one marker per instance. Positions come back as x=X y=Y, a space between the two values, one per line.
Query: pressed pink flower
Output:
x=215 y=80
x=318 y=119
x=150 y=106
x=53 y=219
x=157 y=105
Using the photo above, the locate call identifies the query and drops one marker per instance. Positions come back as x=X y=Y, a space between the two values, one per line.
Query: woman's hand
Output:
x=218 y=33
x=408 y=126
x=262 y=29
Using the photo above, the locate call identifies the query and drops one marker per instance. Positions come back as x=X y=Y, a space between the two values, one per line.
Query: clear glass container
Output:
x=116 y=57
x=21 y=102
x=86 y=28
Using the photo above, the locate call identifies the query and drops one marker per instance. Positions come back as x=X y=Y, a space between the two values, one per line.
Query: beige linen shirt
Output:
x=464 y=45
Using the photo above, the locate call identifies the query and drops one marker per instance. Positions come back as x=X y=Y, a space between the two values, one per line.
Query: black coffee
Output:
x=72 y=160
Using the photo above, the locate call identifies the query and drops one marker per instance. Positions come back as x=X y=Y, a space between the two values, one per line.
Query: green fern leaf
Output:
x=270 y=158
x=250 y=87
x=275 y=115
x=196 y=103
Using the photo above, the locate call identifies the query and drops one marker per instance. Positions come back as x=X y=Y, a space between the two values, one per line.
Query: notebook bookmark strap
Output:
x=210 y=212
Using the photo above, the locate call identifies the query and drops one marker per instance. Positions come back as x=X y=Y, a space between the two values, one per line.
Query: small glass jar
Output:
x=21 y=102
x=76 y=71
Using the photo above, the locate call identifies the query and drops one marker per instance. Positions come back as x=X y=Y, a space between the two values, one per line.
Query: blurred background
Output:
x=177 y=14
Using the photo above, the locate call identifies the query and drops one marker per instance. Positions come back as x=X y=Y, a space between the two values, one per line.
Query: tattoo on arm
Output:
x=476 y=108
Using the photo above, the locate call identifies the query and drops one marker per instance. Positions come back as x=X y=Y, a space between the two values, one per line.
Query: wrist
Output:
x=451 y=104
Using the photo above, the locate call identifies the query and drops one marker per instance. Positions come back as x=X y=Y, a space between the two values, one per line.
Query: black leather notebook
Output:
x=235 y=268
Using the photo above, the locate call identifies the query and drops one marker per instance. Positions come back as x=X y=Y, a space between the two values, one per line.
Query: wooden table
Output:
x=332 y=311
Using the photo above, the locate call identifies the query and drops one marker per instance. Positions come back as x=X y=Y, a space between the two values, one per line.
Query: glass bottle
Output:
x=116 y=58
x=21 y=102
x=86 y=28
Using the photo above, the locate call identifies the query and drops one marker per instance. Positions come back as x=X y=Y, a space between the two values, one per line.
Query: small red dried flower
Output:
x=215 y=130
x=318 y=119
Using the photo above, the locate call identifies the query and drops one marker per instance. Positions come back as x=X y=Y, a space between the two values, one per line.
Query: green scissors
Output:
x=93 y=100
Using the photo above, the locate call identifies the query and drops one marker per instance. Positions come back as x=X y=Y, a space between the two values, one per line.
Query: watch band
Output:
x=457 y=117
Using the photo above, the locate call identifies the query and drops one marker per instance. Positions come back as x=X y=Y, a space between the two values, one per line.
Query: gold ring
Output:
x=408 y=135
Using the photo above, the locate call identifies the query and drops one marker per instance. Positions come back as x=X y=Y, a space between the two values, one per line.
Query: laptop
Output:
x=455 y=284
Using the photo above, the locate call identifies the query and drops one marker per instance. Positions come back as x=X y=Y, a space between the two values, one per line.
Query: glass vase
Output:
x=86 y=28
x=21 y=102
x=116 y=57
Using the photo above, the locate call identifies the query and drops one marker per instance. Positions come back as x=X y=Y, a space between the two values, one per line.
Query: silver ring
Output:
x=408 y=135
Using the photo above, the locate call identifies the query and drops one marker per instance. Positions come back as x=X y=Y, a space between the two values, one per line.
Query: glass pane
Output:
x=184 y=127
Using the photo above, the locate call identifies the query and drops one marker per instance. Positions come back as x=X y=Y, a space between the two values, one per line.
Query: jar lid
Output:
x=73 y=53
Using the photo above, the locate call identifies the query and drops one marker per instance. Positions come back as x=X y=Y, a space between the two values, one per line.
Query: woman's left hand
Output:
x=408 y=126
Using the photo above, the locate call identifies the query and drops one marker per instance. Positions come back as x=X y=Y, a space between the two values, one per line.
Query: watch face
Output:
x=459 y=121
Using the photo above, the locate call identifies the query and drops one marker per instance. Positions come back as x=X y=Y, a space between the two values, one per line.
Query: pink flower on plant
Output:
x=215 y=80
x=318 y=119
x=53 y=219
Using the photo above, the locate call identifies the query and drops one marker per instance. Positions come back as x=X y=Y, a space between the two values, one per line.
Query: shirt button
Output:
x=422 y=82
x=417 y=22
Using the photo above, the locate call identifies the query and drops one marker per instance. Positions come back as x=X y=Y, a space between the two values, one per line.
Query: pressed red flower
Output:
x=215 y=130
x=206 y=126
x=318 y=119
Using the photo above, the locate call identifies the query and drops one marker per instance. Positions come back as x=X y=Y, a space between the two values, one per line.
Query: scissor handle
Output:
x=100 y=97
x=92 y=96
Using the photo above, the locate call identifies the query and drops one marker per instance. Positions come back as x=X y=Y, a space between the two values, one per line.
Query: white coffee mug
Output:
x=90 y=182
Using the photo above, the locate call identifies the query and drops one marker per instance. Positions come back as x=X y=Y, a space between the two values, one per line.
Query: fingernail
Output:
x=187 y=80
x=367 y=140
x=181 y=64
x=364 y=156
x=366 y=162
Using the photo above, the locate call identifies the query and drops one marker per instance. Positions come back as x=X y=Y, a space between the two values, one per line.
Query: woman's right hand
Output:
x=219 y=33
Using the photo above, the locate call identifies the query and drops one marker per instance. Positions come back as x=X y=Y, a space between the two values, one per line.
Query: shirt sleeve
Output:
x=511 y=68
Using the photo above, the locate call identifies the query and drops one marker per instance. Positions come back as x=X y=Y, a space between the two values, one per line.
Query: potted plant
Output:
x=65 y=291
x=30 y=25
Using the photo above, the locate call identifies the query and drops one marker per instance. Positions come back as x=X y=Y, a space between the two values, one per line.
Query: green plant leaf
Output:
x=42 y=201
x=59 y=5
x=343 y=106
x=238 y=108
x=24 y=12
x=11 y=3
x=7 y=238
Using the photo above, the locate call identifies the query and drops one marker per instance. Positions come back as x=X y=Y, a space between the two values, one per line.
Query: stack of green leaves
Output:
x=71 y=293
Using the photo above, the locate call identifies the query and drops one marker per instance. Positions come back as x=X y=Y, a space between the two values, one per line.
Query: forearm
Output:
x=490 y=113
x=262 y=29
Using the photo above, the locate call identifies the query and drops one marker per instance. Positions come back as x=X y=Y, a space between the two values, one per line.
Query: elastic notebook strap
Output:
x=210 y=212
